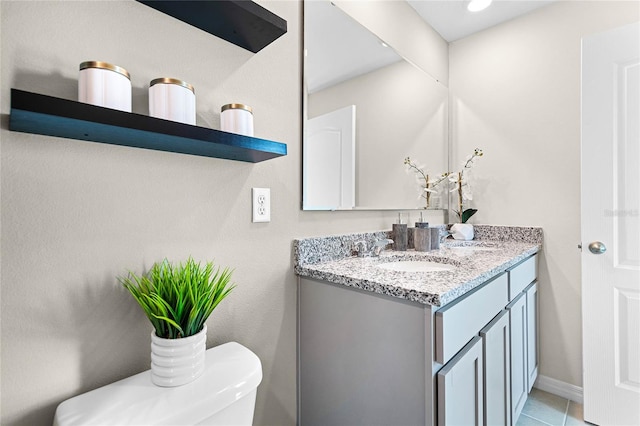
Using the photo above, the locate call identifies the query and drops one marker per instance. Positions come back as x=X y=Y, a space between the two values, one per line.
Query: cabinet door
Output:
x=532 y=334
x=497 y=372
x=518 y=323
x=460 y=393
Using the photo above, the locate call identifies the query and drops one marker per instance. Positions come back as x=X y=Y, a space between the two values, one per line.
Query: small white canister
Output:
x=172 y=99
x=104 y=85
x=237 y=118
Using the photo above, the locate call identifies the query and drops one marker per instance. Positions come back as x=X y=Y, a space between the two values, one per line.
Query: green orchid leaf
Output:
x=467 y=214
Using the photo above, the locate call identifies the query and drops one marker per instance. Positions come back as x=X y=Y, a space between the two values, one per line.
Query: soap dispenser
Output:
x=422 y=236
x=400 y=235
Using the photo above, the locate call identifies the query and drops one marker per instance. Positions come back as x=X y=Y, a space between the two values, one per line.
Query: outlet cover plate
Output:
x=261 y=204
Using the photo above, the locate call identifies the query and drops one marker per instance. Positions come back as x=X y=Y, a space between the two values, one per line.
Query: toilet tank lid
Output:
x=232 y=371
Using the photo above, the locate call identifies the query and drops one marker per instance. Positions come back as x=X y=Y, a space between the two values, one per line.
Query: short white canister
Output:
x=237 y=118
x=105 y=85
x=172 y=99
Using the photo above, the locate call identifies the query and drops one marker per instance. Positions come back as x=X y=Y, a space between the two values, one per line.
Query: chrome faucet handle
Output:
x=444 y=235
x=383 y=242
x=379 y=245
x=360 y=247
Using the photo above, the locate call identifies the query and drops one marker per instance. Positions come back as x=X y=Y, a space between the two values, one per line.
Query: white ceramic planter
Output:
x=462 y=231
x=176 y=362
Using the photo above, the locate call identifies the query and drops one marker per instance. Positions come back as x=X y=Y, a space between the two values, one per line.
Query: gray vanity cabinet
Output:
x=519 y=377
x=458 y=322
x=523 y=316
x=361 y=357
x=366 y=358
x=496 y=351
x=460 y=387
x=532 y=333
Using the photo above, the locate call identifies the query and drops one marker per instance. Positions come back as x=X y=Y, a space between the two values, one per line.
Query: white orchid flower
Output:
x=460 y=183
x=423 y=180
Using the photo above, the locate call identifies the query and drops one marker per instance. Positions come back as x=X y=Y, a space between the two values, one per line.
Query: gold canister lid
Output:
x=105 y=66
x=236 y=106
x=166 y=80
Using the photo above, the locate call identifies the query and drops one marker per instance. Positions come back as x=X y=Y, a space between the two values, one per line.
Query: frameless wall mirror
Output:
x=366 y=109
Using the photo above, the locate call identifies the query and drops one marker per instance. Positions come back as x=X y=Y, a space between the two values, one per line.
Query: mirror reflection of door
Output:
x=402 y=111
x=329 y=161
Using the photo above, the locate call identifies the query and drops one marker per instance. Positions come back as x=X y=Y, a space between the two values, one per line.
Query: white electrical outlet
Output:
x=261 y=204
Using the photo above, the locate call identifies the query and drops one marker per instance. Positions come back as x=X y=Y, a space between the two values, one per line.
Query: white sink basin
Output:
x=416 y=266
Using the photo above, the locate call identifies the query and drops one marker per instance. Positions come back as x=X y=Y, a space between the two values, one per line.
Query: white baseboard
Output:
x=556 y=387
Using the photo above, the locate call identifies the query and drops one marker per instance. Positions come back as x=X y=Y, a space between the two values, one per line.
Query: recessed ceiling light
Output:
x=478 y=5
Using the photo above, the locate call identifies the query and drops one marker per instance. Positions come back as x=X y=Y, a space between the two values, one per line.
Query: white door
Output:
x=610 y=226
x=328 y=161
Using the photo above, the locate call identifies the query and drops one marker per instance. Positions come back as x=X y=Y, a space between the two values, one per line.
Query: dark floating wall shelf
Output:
x=241 y=22
x=46 y=115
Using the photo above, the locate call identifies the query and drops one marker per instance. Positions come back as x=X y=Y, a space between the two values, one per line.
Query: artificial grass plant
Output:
x=179 y=299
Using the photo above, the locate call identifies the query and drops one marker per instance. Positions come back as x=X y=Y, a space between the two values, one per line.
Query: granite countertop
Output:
x=330 y=259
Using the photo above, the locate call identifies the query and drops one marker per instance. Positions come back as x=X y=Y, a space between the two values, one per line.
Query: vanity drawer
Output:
x=459 y=322
x=521 y=275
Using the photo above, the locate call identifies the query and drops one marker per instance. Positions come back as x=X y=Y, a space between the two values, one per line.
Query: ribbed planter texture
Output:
x=176 y=362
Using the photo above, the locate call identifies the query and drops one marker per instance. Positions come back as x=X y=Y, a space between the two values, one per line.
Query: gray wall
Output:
x=75 y=215
x=515 y=92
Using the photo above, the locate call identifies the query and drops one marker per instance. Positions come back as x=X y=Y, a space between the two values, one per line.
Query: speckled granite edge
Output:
x=442 y=287
x=522 y=234
x=374 y=287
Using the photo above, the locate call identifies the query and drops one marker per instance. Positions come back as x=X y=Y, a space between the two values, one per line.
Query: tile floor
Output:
x=543 y=408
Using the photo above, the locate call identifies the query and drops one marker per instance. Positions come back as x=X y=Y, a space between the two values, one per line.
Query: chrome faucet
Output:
x=379 y=245
x=360 y=247
x=444 y=235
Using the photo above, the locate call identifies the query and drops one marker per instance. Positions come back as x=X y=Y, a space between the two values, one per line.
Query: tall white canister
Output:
x=172 y=99
x=105 y=85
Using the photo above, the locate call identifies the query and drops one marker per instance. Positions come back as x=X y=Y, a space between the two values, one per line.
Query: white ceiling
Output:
x=337 y=48
x=452 y=20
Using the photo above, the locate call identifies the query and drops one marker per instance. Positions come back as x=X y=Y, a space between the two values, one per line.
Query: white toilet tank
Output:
x=225 y=394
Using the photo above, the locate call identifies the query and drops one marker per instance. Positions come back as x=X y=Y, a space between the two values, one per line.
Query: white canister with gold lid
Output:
x=237 y=118
x=172 y=99
x=105 y=85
